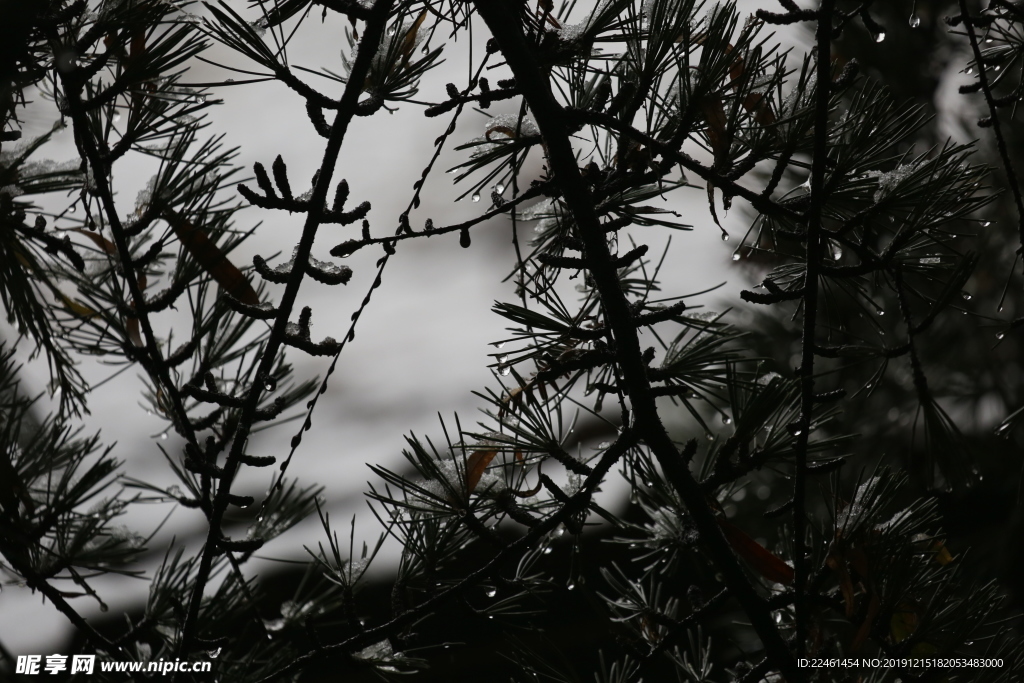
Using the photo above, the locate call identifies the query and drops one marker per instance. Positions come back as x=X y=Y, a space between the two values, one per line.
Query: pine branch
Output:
x=346 y=109
x=994 y=122
x=823 y=40
x=551 y=119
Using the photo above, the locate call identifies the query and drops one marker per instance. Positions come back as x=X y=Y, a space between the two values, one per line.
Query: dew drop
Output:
x=476 y=197
x=270 y=384
x=603 y=445
x=103 y=607
x=502 y=357
x=880 y=36
x=504 y=370
x=725 y=237
x=709 y=436
x=970 y=70
x=230 y=80
x=499 y=188
x=546 y=551
x=73 y=208
x=213 y=654
x=837 y=252
x=966 y=296
x=491 y=592
x=1001 y=336
x=571 y=586
x=726 y=420
x=915 y=21
x=163 y=437
x=464 y=239
x=736 y=257
x=558 y=532
x=986 y=224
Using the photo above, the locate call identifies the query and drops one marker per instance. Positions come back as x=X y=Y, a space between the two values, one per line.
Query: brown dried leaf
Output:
x=764 y=562
x=942 y=554
x=903 y=622
x=132 y=323
x=874 y=605
x=475 y=466
x=409 y=42
x=212 y=259
x=77 y=307
x=837 y=564
x=99 y=240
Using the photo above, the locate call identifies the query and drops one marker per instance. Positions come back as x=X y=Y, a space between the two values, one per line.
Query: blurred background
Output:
x=424 y=343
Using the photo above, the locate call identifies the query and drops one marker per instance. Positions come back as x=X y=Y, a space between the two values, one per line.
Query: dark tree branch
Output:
x=819 y=160
x=555 y=129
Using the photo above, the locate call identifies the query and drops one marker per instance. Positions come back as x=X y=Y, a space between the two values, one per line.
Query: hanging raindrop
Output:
x=726 y=420
x=491 y=592
x=504 y=370
x=116 y=117
x=464 y=239
x=915 y=20
x=880 y=36
x=725 y=237
x=966 y=296
x=476 y=196
x=499 y=188
x=736 y=256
